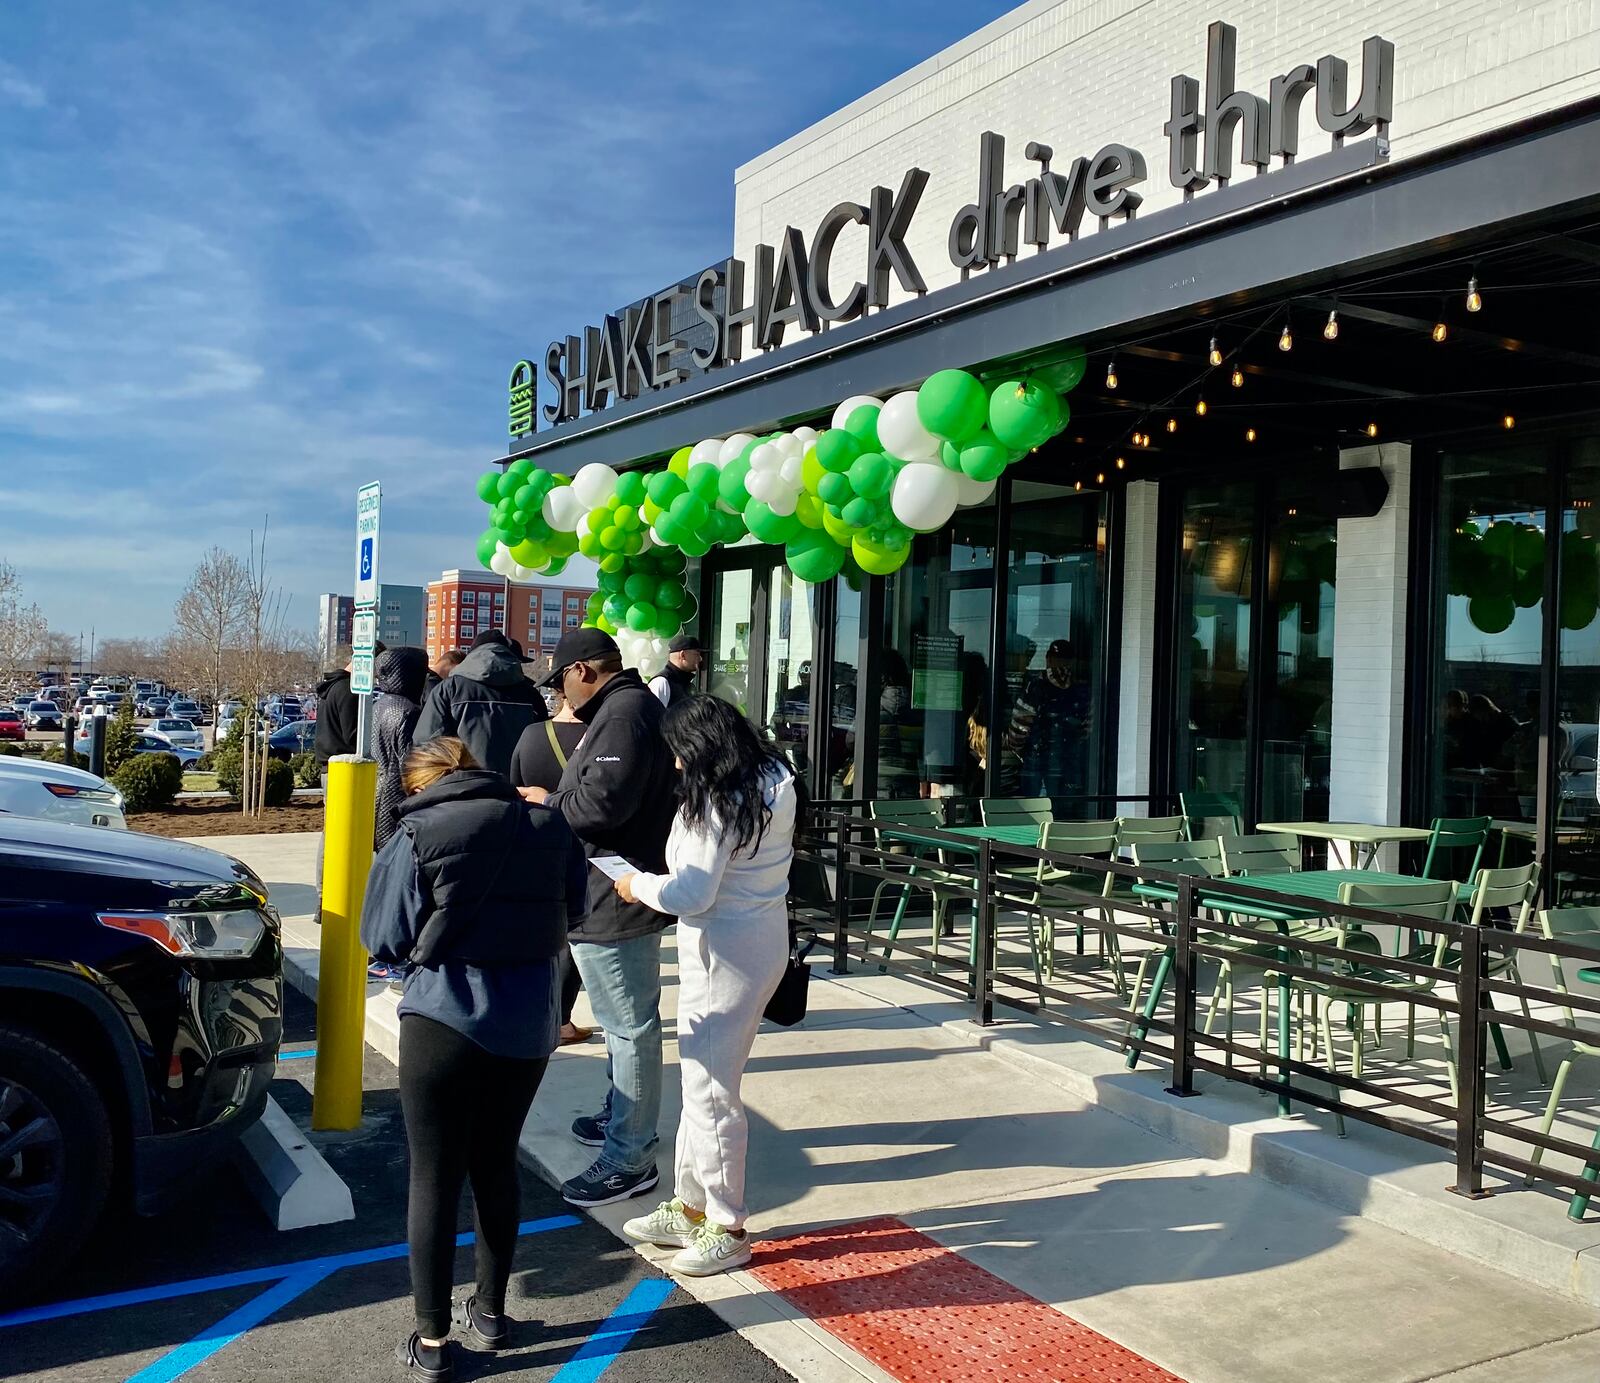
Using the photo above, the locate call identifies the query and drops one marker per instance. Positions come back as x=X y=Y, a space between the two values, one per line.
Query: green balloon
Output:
x=489 y=486
x=639 y=586
x=612 y=561
x=667 y=593
x=669 y=563
x=1065 y=374
x=641 y=616
x=1023 y=414
x=871 y=474
x=530 y=554
x=1578 y=609
x=1527 y=588
x=1500 y=539
x=1527 y=548
x=630 y=488
x=667 y=623
x=696 y=544
x=703 y=480
x=836 y=488
x=664 y=487
x=1492 y=613
x=488 y=543
x=508 y=484
x=615 y=608
x=813 y=556
x=836 y=449
x=862 y=424
x=769 y=527
x=555 y=566
x=951 y=404
x=589 y=546
x=562 y=544
x=596 y=603
x=983 y=458
x=950 y=454
x=860 y=512
x=606 y=625
x=877 y=559
x=730 y=484
x=522 y=468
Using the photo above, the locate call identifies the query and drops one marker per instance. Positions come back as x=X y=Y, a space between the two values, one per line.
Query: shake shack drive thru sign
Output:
x=796 y=283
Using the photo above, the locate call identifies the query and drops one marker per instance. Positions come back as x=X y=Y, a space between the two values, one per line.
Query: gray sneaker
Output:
x=666 y=1225
x=715 y=1249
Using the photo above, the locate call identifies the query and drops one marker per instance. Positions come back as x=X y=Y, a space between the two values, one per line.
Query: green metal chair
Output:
x=1260 y=854
x=1580 y=927
x=1016 y=811
x=1201 y=858
x=1457 y=833
x=891 y=812
x=1203 y=808
x=1095 y=840
x=931 y=871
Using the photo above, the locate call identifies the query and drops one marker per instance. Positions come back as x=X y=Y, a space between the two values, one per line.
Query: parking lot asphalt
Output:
x=587 y=1307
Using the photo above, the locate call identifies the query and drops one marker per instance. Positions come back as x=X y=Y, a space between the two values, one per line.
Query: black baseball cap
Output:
x=685 y=643
x=578 y=646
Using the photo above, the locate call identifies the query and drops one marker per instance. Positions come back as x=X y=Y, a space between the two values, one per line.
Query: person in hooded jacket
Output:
x=336 y=713
x=618 y=793
x=397 y=684
x=486 y=702
x=473 y=895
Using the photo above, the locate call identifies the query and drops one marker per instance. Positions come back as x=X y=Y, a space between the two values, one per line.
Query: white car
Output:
x=180 y=732
x=54 y=792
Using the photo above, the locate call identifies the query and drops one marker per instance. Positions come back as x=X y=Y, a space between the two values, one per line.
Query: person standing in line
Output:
x=397 y=701
x=727 y=881
x=473 y=895
x=486 y=702
x=617 y=794
x=539 y=760
x=442 y=666
x=685 y=657
x=336 y=714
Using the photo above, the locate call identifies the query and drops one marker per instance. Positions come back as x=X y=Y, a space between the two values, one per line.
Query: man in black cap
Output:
x=618 y=793
x=685 y=657
x=486 y=702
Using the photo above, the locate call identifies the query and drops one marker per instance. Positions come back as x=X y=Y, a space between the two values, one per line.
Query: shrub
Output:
x=120 y=735
x=149 y=782
x=11 y=750
x=307 y=770
x=55 y=754
x=229 y=765
x=204 y=764
x=280 y=784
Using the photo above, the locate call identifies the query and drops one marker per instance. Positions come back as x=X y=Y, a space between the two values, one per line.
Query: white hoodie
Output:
x=707 y=882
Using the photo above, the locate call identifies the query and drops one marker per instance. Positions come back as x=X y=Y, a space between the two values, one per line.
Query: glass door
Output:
x=1572 y=744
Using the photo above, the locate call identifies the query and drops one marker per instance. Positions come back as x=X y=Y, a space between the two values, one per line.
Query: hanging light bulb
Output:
x=1121 y=463
x=1372 y=429
x=1237 y=378
x=1200 y=407
x=1077 y=485
x=1215 y=354
x=1022 y=390
x=1474 y=298
x=1286 y=337
x=1249 y=434
x=1100 y=478
x=1111 y=373
x=1441 y=328
x=1172 y=424
x=1330 y=332
x=1508 y=422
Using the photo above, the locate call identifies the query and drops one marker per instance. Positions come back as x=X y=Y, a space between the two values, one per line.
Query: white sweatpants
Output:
x=727 y=970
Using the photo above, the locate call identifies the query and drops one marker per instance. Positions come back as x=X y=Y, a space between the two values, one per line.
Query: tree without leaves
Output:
x=22 y=629
x=211 y=618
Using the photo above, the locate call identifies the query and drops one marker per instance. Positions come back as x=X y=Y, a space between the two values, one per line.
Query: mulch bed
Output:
x=223 y=818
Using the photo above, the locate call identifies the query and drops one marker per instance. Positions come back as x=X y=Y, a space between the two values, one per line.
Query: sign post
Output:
x=365 y=629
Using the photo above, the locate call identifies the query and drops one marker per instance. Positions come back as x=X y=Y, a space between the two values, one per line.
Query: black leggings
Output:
x=464 y=1111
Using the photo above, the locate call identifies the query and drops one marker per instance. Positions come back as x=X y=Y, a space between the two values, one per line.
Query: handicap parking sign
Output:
x=366 y=559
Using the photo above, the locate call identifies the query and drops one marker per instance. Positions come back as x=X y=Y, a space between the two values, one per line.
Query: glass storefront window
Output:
x=732 y=611
x=842 y=731
x=1050 y=727
x=1574 y=746
x=789 y=664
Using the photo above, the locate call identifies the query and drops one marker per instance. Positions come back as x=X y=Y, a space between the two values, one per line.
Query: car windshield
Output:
x=43 y=706
x=9 y=715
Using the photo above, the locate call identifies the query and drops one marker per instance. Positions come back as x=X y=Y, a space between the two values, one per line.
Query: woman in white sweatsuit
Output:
x=727 y=881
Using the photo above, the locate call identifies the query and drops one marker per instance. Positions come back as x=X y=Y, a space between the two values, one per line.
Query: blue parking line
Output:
x=276 y=1272
x=300 y=1055
x=596 y=1354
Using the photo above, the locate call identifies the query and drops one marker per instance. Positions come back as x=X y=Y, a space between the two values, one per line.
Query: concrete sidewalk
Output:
x=886 y=1102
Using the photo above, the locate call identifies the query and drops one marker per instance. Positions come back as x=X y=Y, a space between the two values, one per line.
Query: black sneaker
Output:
x=434 y=1365
x=590 y=1130
x=481 y=1329
x=602 y=1184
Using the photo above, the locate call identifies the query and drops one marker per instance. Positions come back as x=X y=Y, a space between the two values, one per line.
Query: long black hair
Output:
x=724 y=761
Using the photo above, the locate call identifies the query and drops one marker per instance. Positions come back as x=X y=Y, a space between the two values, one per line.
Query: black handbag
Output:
x=787 y=1006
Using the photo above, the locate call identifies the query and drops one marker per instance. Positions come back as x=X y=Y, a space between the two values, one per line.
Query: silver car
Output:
x=180 y=732
x=54 y=792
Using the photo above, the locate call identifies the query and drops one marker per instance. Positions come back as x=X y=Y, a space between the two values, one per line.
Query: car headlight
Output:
x=228 y=935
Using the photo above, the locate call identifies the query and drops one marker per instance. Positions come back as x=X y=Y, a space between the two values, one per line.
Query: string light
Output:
x=1508 y=422
x=1330 y=332
x=1200 y=407
x=1249 y=434
x=1237 y=378
x=1022 y=390
x=1077 y=485
x=1286 y=337
x=1111 y=373
x=1172 y=424
x=1474 y=298
x=1372 y=429
x=1215 y=354
x=1100 y=478
x=1121 y=463
x=1441 y=328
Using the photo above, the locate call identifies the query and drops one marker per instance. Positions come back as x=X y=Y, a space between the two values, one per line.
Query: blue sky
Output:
x=252 y=256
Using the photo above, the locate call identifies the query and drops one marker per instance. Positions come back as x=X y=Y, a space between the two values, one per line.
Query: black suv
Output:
x=140 y=1016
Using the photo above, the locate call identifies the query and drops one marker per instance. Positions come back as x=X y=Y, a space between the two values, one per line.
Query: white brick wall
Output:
x=1077 y=74
x=1369 y=635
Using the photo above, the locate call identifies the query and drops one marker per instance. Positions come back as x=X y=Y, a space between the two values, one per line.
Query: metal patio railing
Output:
x=931 y=887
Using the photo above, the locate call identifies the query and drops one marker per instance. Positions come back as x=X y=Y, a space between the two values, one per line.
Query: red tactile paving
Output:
x=927 y=1315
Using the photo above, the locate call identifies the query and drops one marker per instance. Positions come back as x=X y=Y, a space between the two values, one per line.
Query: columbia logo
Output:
x=607 y=759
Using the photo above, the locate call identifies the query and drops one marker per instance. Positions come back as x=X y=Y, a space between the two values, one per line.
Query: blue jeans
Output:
x=623 y=979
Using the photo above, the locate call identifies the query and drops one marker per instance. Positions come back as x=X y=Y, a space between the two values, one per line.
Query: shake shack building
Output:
x=1320 y=530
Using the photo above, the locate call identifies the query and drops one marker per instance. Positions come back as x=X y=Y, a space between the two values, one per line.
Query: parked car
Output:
x=54 y=792
x=297 y=737
x=44 y=715
x=20 y=704
x=12 y=725
x=152 y=706
x=141 y=1010
x=185 y=709
x=148 y=742
x=180 y=732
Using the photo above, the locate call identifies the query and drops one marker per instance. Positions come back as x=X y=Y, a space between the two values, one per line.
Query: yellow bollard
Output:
x=342 y=978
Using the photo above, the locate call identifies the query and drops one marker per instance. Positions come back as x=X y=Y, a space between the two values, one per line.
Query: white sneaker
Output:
x=666 y=1225
x=714 y=1250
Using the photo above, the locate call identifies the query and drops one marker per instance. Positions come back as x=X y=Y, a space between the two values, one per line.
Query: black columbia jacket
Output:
x=487 y=703
x=336 y=716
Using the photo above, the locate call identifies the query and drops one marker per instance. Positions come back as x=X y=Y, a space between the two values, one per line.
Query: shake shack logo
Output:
x=796 y=284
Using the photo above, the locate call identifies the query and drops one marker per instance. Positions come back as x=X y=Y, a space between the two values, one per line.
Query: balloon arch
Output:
x=848 y=499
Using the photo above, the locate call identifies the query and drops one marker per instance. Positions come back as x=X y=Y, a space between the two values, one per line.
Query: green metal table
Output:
x=1359 y=835
x=1313 y=885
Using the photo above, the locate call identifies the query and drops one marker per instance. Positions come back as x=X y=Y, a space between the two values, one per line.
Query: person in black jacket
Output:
x=336 y=714
x=486 y=702
x=675 y=682
x=619 y=795
x=397 y=679
x=473 y=896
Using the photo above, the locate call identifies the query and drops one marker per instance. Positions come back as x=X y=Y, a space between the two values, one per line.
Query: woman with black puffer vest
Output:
x=472 y=897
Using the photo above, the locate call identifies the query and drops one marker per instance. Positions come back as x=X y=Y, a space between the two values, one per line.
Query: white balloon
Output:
x=970 y=491
x=792 y=470
x=901 y=432
x=656 y=537
x=582 y=529
x=789 y=445
x=562 y=509
x=767 y=454
x=733 y=447
x=805 y=436
x=762 y=485
x=521 y=573
x=501 y=563
x=707 y=450
x=841 y=414
x=594 y=484
x=783 y=501
x=924 y=496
